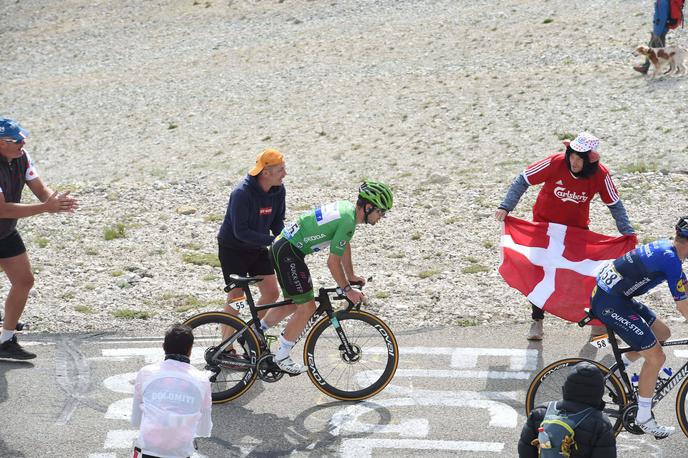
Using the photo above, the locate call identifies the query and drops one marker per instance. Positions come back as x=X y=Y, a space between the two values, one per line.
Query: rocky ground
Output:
x=150 y=112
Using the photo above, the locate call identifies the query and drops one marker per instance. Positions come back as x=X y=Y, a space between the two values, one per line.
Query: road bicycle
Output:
x=350 y=354
x=620 y=396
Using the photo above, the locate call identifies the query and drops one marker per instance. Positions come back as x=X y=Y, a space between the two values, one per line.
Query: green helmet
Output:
x=377 y=194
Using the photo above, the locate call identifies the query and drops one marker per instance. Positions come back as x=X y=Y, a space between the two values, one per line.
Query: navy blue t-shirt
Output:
x=252 y=215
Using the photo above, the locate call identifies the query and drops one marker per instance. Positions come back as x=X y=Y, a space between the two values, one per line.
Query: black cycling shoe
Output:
x=12 y=350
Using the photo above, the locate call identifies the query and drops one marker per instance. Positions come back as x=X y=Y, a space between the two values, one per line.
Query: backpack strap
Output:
x=552 y=409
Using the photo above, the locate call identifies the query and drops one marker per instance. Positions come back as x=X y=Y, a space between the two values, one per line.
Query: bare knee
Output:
x=661 y=330
x=655 y=357
x=269 y=290
x=269 y=294
x=23 y=282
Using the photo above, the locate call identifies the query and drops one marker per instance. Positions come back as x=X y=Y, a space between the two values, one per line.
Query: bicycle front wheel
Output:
x=681 y=407
x=233 y=373
x=547 y=384
x=346 y=377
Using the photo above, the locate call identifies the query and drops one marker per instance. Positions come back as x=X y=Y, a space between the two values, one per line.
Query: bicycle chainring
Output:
x=628 y=419
x=268 y=370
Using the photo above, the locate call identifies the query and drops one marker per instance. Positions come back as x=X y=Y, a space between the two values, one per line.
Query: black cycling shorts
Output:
x=12 y=246
x=244 y=262
x=292 y=272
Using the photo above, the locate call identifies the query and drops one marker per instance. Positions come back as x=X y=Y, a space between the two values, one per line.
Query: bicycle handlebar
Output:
x=354 y=284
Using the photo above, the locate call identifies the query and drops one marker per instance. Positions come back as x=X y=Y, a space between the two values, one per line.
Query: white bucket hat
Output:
x=586 y=142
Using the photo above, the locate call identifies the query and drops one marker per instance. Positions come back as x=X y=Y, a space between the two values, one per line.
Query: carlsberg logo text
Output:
x=569 y=196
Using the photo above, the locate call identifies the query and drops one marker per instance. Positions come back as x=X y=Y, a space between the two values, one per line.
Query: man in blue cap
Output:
x=16 y=170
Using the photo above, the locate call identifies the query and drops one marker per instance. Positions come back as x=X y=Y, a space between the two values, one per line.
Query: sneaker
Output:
x=640 y=68
x=536 y=330
x=596 y=331
x=12 y=350
x=290 y=367
x=659 y=431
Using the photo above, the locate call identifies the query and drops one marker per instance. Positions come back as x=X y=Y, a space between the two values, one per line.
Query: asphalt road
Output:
x=457 y=392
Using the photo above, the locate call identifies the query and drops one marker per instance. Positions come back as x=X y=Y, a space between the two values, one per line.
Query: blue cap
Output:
x=11 y=129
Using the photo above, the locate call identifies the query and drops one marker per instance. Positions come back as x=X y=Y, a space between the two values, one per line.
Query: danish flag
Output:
x=554 y=265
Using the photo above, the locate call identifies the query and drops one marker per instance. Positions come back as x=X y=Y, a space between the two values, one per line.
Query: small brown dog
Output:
x=672 y=56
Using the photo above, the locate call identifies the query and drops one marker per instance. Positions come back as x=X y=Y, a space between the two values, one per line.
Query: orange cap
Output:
x=265 y=159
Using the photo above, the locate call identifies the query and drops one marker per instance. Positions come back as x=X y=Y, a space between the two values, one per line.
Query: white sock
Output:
x=644 y=410
x=6 y=335
x=263 y=325
x=285 y=347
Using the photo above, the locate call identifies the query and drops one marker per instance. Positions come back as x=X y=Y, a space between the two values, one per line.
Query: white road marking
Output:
x=121 y=383
x=363 y=448
x=501 y=415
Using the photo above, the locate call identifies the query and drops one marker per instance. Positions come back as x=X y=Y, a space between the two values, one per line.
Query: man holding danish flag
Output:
x=553 y=260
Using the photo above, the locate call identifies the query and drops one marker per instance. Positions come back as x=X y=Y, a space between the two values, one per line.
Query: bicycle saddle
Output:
x=239 y=281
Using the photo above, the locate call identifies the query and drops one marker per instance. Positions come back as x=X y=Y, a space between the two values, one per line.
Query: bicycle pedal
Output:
x=292 y=375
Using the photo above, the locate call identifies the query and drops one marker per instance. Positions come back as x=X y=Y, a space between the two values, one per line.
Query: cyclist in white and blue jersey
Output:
x=613 y=303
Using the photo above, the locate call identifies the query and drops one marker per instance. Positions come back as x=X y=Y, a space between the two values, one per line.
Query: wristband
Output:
x=343 y=291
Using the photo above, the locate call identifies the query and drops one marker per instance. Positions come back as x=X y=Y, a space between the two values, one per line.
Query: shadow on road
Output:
x=310 y=432
x=6 y=366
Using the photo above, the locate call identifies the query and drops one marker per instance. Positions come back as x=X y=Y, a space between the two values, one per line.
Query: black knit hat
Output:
x=585 y=384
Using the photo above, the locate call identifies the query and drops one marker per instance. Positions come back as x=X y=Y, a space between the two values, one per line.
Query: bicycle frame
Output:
x=675 y=379
x=661 y=390
x=324 y=307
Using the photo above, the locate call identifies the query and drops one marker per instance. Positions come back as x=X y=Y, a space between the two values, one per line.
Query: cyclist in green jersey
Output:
x=332 y=226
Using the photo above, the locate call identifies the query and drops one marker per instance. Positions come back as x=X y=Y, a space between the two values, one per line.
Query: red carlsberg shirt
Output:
x=565 y=199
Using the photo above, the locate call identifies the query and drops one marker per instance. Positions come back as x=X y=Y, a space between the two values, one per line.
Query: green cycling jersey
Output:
x=332 y=224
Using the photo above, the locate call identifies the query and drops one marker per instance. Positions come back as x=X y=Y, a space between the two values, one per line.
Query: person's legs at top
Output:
x=536 y=330
x=18 y=271
x=656 y=41
x=247 y=263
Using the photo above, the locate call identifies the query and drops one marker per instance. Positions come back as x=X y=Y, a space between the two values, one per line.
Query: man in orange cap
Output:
x=255 y=215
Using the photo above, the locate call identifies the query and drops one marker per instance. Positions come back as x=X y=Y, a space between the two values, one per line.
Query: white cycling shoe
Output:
x=289 y=366
x=659 y=431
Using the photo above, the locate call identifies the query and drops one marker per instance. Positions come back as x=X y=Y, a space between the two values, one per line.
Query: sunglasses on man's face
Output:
x=11 y=140
x=381 y=212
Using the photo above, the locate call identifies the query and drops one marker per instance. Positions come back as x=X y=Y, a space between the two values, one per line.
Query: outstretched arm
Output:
x=334 y=263
x=620 y=216
x=51 y=202
x=513 y=195
x=348 y=264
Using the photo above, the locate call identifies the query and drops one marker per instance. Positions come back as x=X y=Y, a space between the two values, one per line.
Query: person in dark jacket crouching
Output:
x=584 y=387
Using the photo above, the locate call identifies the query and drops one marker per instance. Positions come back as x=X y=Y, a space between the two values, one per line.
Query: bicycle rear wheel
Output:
x=233 y=374
x=547 y=384
x=681 y=407
x=366 y=374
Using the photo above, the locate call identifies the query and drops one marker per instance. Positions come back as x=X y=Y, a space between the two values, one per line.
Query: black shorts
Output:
x=12 y=246
x=292 y=272
x=244 y=262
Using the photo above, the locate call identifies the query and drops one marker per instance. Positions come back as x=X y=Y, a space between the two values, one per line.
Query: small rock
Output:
x=186 y=210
